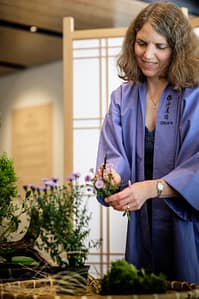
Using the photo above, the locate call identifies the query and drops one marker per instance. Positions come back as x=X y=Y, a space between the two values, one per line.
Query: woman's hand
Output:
x=133 y=197
x=105 y=173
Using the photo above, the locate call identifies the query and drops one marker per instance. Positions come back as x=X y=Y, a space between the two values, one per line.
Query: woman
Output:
x=151 y=137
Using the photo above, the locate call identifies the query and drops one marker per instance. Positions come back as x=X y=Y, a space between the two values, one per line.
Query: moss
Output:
x=124 y=278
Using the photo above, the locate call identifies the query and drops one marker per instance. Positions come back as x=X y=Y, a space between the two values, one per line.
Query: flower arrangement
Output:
x=107 y=182
x=61 y=218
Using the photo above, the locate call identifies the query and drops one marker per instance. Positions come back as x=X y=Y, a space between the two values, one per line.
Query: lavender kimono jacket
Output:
x=172 y=247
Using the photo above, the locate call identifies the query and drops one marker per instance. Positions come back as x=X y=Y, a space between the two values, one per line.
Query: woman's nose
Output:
x=149 y=51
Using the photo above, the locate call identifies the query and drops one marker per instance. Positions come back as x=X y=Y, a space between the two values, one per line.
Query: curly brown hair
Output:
x=168 y=20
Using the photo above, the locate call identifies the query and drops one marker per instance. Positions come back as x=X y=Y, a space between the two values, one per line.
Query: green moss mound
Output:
x=124 y=278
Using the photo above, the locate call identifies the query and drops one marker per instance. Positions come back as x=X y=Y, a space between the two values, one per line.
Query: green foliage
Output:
x=8 y=192
x=105 y=187
x=108 y=183
x=124 y=278
x=60 y=218
x=8 y=179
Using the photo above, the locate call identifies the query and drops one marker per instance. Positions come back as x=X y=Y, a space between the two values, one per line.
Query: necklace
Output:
x=155 y=105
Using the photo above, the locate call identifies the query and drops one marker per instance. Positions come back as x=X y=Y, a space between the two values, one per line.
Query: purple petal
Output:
x=70 y=178
x=76 y=175
x=99 y=184
x=55 y=180
x=87 y=178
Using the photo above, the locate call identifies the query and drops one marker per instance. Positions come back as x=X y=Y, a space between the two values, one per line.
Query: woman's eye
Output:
x=140 y=43
x=161 y=46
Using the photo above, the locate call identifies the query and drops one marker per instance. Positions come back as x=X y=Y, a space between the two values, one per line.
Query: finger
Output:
x=126 y=207
x=116 y=205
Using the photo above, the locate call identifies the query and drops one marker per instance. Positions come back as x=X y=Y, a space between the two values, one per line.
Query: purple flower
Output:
x=87 y=178
x=76 y=175
x=99 y=184
x=51 y=184
x=25 y=187
x=55 y=180
x=32 y=187
x=28 y=186
x=109 y=166
x=89 y=189
x=70 y=178
x=42 y=188
x=45 y=180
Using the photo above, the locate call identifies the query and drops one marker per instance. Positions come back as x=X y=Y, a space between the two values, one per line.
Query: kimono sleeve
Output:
x=185 y=177
x=111 y=140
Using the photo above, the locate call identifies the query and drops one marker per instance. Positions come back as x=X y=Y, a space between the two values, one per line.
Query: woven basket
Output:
x=47 y=289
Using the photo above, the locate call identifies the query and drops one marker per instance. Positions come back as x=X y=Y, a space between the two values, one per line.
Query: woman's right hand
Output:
x=108 y=174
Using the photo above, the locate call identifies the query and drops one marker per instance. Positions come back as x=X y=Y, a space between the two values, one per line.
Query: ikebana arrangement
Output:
x=108 y=182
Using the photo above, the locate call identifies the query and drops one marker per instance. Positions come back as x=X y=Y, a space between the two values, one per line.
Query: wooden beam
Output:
x=195 y=22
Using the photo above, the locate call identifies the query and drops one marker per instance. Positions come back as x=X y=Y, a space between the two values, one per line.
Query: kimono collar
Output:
x=167 y=122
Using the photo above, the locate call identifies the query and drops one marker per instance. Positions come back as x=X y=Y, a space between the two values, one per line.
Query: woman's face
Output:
x=152 y=52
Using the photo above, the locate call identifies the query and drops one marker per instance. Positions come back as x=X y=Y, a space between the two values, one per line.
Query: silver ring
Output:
x=128 y=207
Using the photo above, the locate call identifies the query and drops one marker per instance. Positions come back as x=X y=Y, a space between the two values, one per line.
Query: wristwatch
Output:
x=159 y=188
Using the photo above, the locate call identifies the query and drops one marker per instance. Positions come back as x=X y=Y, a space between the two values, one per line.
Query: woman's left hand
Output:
x=133 y=197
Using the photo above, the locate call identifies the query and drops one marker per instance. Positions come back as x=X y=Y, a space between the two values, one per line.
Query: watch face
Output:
x=160 y=186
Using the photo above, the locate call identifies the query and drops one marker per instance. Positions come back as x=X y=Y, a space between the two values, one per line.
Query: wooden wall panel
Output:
x=32 y=143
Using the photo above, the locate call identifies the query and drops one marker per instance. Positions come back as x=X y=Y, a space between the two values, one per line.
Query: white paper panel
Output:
x=85 y=43
x=118 y=224
x=85 y=149
x=86 y=88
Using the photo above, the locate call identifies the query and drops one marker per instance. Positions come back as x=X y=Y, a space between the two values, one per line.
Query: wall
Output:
x=35 y=86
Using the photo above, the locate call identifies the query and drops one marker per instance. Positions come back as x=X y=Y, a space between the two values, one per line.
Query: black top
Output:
x=148 y=165
x=149 y=147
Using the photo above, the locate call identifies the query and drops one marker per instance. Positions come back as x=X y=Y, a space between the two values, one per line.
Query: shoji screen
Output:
x=89 y=77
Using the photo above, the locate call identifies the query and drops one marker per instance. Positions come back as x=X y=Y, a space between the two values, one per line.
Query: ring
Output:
x=128 y=207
